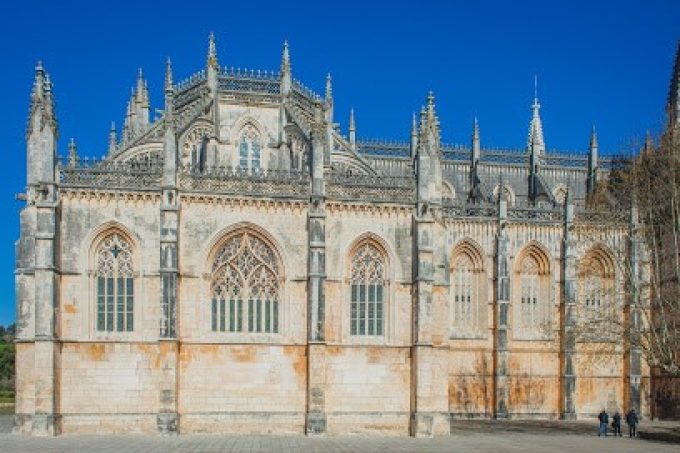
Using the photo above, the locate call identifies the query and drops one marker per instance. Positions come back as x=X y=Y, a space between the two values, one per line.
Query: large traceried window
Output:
x=368 y=281
x=114 y=285
x=596 y=284
x=466 y=291
x=531 y=303
x=245 y=286
x=249 y=148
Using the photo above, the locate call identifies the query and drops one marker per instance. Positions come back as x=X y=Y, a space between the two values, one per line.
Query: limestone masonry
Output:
x=238 y=265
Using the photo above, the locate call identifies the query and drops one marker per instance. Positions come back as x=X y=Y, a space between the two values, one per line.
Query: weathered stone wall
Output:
x=109 y=387
x=234 y=389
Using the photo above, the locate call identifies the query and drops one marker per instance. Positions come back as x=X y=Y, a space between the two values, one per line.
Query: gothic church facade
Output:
x=240 y=265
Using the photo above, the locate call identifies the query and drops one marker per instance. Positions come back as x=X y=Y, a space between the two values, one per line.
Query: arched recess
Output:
x=560 y=193
x=193 y=145
x=467 y=291
x=113 y=259
x=508 y=193
x=448 y=192
x=250 y=138
x=245 y=282
x=597 y=283
x=368 y=311
x=532 y=293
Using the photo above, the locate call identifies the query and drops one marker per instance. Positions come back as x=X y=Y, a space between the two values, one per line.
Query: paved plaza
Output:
x=467 y=436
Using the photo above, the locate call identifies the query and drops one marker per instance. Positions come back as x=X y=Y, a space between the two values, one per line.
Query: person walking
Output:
x=616 y=424
x=603 y=417
x=632 y=420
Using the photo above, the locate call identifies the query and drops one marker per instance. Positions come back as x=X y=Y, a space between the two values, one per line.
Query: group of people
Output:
x=631 y=420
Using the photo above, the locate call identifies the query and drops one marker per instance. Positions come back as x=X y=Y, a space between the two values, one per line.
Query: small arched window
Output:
x=245 y=286
x=249 y=148
x=114 y=277
x=529 y=299
x=368 y=281
x=596 y=275
x=463 y=293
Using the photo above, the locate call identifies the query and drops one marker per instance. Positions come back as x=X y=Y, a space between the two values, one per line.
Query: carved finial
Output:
x=212 y=51
x=113 y=141
x=430 y=101
x=72 y=153
x=168 y=75
x=593 y=138
x=476 y=147
x=535 y=141
x=329 y=87
x=285 y=58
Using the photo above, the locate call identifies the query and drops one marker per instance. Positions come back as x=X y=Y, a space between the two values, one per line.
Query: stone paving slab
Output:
x=478 y=443
x=477 y=436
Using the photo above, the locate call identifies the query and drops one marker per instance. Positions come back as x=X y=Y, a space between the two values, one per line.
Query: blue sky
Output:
x=599 y=62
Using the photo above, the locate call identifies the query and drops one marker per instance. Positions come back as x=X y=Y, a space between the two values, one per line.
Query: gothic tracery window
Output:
x=249 y=148
x=531 y=312
x=463 y=293
x=299 y=152
x=195 y=147
x=529 y=293
x=114 y=285
x=368 y=280
x=245 y=286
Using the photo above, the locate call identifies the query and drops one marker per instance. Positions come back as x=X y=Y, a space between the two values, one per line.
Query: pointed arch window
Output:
x=245 y=286
x=463 y=293
x=114 y=277
x=596 y=283
x=529 y=294
x=531 y=306
x=368 y=281
x=249 y=148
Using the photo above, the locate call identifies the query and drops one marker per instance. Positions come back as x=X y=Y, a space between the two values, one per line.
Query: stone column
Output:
x=167 y=417
x=501 y=313
x=46 y=345
x=568 y=340
x=315 y=422
x=422 y=420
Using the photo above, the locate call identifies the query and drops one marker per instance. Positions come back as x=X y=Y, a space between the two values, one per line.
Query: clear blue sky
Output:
x=599 y=62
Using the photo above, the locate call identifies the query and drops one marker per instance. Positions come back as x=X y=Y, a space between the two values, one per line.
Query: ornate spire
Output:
x=429 y=124
x=113 y=141
x=168 y=75
x=535 y=143
x=286 y=75
x=352 y=131
x=285 y=58
x=212 y=52
x=72 y=153
x=42 y=101
x=593 y=139
x=591 y=182
x=329 y=88
x=476 y=147
x=414 y=136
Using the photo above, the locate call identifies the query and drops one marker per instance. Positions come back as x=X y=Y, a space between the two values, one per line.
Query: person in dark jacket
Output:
x=603 y=417
x=632 y=420
x=616 y=424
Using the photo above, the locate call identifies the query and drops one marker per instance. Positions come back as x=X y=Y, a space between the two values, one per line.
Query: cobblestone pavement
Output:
x=485 y=437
